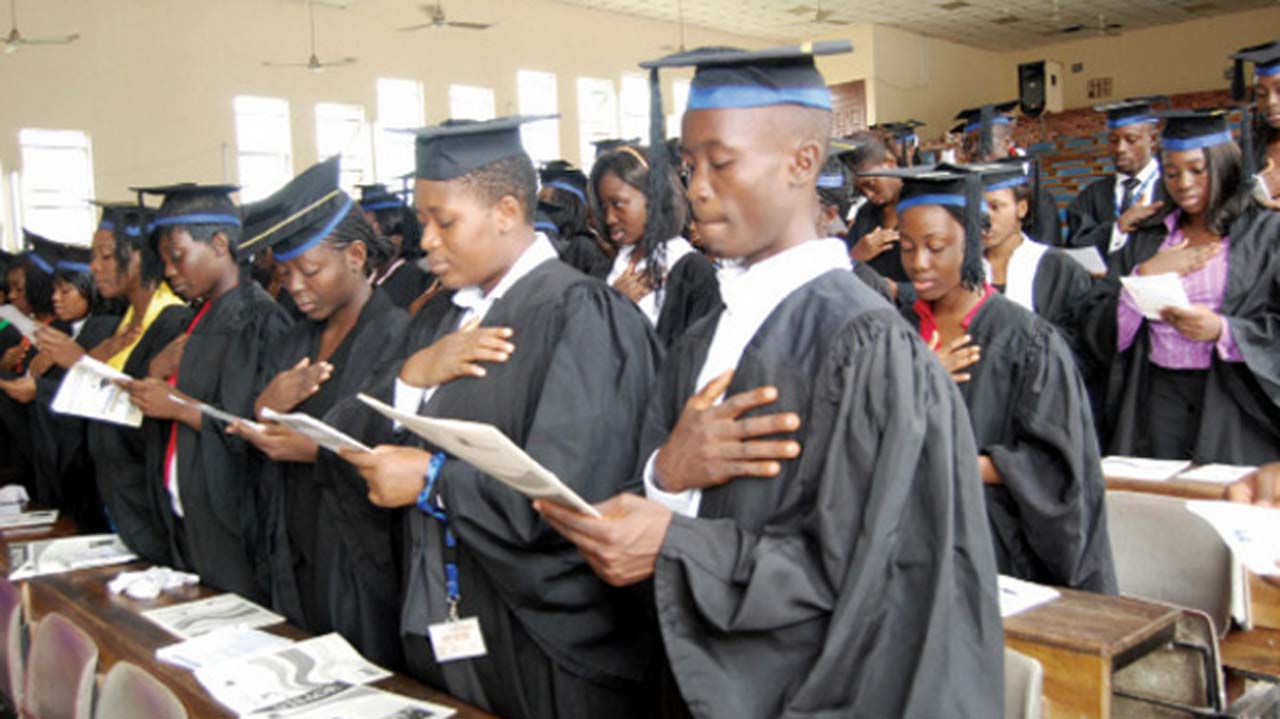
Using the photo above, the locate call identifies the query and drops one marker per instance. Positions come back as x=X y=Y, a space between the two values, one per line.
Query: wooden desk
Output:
x=1184 y=488
x=1255 y=653
x=64 y=527
x=122 y=633
x=1081 y=639
x=1264 y=603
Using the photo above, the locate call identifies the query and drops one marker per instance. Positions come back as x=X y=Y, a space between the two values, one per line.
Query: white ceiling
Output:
x=989 y=24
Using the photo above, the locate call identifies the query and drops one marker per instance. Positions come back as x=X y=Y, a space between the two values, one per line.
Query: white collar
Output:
x=760 y=287
x=1146 y=173
x=538 y=251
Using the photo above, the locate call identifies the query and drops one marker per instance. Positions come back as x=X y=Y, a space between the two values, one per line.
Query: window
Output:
x=399 y=108
x=468 y=102
x=341 y=130
x=536 y=95
x=264 y=146
x=57 y=185
x=679 y=100
x=597 y=117
x=633 y=101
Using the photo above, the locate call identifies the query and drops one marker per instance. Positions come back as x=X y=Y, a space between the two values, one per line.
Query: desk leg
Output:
x=1076 y=686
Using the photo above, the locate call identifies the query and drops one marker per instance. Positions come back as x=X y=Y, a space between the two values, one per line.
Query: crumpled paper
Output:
x=149 y=583
x=13 y=497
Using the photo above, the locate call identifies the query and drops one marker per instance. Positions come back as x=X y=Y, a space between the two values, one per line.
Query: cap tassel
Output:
x=1249 y=161
x=972 y=274
x=1238 y=88
x=986 y=142
x=659 y=199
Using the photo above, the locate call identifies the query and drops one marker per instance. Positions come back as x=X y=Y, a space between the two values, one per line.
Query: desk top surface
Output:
x=1096 y=624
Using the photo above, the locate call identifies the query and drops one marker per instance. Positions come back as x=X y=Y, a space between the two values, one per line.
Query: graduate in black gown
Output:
x=561 y=364
x=1038 y=451
x=208 y=476
x=818 y=542
x=562 y=195
x=1200 y=383
x=873 y=235
x=398 y=276
x=31 y=293
x=1263 y=142
x=327 y=251
x=1108 y=209
x=643 y=213
x=127 y=269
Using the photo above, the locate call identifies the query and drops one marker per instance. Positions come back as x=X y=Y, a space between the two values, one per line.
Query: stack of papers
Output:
x=220 y=645
x=89 y=390
x=1155 y=470
x=192 y=619
x=1217 y=473
x=37 y=518
x=293 y=677
x=358 y=702
x=1153 y=293
x=1017 y=595
x=1252 y=532
x=54 y=556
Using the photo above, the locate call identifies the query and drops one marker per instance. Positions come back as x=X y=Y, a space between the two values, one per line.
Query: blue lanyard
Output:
x=450 y=552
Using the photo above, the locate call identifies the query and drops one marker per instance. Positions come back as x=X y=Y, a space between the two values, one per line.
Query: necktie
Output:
x=1126 y=201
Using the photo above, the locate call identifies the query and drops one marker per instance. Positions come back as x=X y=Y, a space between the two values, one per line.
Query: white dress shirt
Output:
x=1145 y=192
x=677 y=248
x=410 y=399
x=750 y=295
x=1020 y=273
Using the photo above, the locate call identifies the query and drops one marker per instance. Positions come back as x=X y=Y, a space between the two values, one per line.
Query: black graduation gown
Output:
x=406 y=283
x=1031 y=416
x=888 y=263
x=11 y=449
x=690 y=292
x=135 y=504
x=1091 y=216
x=63 y=467
x=15 y=423
x=583 y=253
x=1240 y=417
x=223 y=364
x=293 y=527
x=560 y=642
x=360 y=566
x=860 y=582
x=1045 y=224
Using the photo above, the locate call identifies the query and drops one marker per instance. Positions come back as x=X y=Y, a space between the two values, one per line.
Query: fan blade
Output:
x=339 y=63
x=469 y=25
x=836 y=22
x=800 y=10
x=415 y=28
x=51 y=39
x=268 y=63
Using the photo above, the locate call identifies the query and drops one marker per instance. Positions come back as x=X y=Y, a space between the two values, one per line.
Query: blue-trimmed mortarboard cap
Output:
x=957 y=186
x=1265 y=58
x=299 y=215
x=563 y=175
x=1194 y=129
x=458 y=147
x=1001 y=175
x=983 y=116
x=898 y=130
x=188 y=203
x=1130 y=111
x=42 y=251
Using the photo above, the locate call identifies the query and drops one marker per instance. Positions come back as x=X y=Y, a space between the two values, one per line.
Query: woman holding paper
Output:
x=1201 y=381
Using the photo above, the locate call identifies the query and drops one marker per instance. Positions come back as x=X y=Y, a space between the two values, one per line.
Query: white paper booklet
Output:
x=54 y=556
x=486 y=448
x=1154 y=470
x=359 y=702
x=220 y=645
x=1252 y=532
x=1017 y=595
x=37 y=518
x=1153 y=293
x=312 y=428
x=265 y=679
x=1217 y=473
x=192 y=619
x=88 y=390
x=1089 y=258
x=20 y=322
x=214 y=412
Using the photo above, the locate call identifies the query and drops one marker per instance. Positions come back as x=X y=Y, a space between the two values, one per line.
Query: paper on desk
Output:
x=486 y=448
x=1252 y=532
x=1089 y=258
x=38 y=518
x=53 y=556
x=1153 y=293
x=1017 y=595
x=1217 y=473
x=220 y=645
x=20 y=322
x=192 y=619
x=312 y=428
x=359 y=702
x=13 y=499
x=1155 y=470
x=322 y=666
x=89 y=390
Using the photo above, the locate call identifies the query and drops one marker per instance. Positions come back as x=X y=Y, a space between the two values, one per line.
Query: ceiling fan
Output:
x=313 y=63
x=15 y=39
x=438 y=21
x=818 y=15
x=1102 y=28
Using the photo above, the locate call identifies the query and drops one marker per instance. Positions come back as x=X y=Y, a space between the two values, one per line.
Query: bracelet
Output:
x=433 y=473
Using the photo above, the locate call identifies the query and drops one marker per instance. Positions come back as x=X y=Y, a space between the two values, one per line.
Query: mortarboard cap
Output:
x=1266 y=63
x=955 y=186
x=189 y=203
x=564 y=176
x=978 y=118
x=128 y=220
x=42 y=251
x=1130 y=111
x=457 y=147
x=613 y=143
x=1194 y=129
x=299 y=215
x=898 y=130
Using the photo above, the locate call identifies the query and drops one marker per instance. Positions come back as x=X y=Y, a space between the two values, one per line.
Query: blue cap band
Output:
x=1132 y=120
x=831 y=182
x=1006 y=184
x=977 y=124
x=197 y=219
x=742 y=96
x=133 y=231
x=382 y=205
x=79 y=267
x=1197 y=143
x=562 y=185
x=1266 y=70
x=918 y=200
x=315 y=239
x=39 y=261
x=544 y=226
x=106 y=225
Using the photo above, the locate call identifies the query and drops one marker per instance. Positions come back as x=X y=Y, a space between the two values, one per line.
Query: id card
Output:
x=452 y=641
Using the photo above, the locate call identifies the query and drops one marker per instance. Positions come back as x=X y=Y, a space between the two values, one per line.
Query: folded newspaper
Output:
x=192 y=619
x=54 y=556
